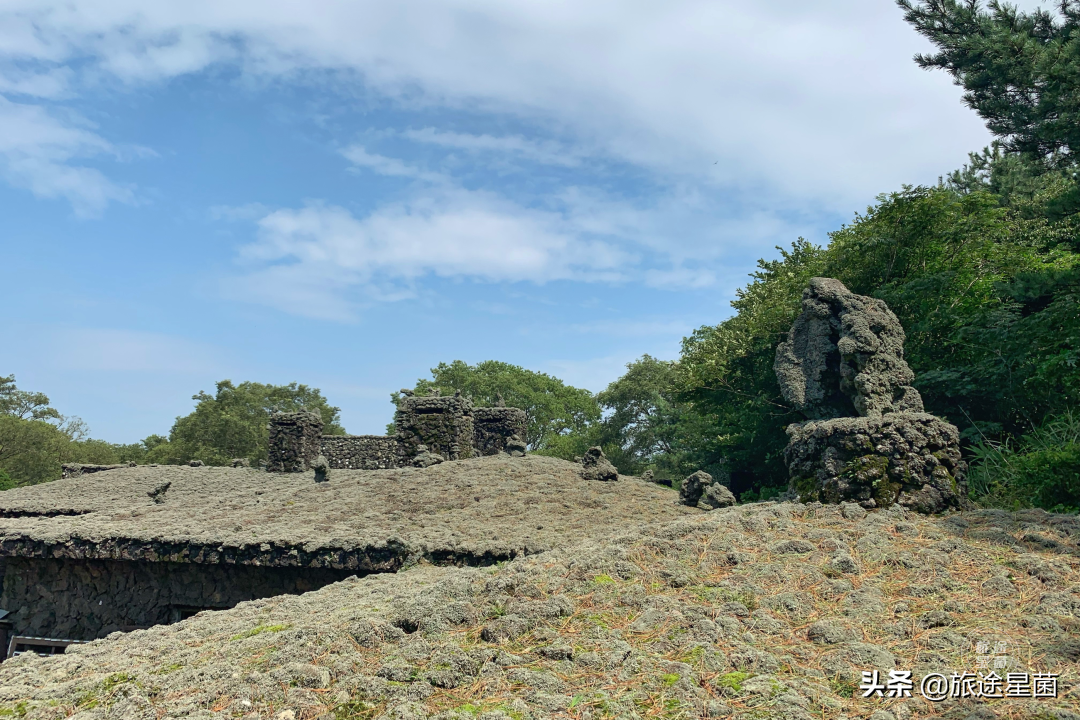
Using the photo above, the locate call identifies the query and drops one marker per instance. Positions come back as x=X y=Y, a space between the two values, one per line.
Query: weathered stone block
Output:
x=844 y=356
x=295 y=441
x=908 y=458
x=443 y=424
x=494 y=426
x=595 y=466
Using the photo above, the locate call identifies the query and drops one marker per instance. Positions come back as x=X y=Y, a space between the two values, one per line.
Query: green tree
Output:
x=645 y=426
x=737 y=416
x=552 y=408
x=1019 y=70
x=232 y=423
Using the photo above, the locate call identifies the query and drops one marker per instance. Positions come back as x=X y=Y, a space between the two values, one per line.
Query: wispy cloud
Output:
x=319 y=253
x=547 y=152
x=39 y=152
x=383 y=165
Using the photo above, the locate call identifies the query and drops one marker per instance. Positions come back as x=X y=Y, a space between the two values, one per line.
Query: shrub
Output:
x=1042 y=469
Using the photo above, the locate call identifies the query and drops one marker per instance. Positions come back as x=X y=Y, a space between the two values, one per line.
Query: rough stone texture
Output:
x=716 y=496
x=425 y=458
x=494 y=426
x=693 y=487
x=295 y=440
x=844 y=357
x=76 y=469
x=515 y=446
x=362 y=452
x=322 y=469
x=908 y=458
x=473 y=512
x=240 y=462
x=443 y=424
x=595 y=466
x=690 y=618
x=88 y=599
x=867 y=438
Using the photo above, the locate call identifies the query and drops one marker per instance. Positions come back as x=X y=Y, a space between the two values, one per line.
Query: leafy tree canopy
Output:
x=1019 y=70
x=552 y=408
x=233 y=422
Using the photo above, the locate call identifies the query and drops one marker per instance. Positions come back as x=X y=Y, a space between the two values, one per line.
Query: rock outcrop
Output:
x=844 y=357
x=595 y=466
x=866 y=437
x=700 y=490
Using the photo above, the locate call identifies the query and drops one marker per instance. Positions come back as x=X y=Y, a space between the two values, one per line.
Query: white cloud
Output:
x=393 y=167
x=306 y=260
x=819 y=103
x=38 y=151
x=546 y=152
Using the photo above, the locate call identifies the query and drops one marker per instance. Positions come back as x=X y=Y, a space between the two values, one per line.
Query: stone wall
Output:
x=295 y=440
x=362 y=452
x=449 y=426
x=443 y=424
x=493 y=426
x=88 y=599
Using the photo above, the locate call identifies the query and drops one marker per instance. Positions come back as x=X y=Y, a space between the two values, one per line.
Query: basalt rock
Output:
x=844 y=357
x=702 y=491
x=515 y=446
x=867 y=438
x=693 y=487
x=322 y=469
x=912 y=459
x=294 y=441
x=595 y=466
x=425 y=458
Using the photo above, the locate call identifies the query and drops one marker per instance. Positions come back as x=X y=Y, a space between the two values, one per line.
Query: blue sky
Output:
x=345 y=194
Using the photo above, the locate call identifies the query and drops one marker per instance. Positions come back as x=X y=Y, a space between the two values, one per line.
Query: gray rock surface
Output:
x=294 y=442
x=908 y=458
x=595 y=466
x=702 y=491
x=693 y=487
x=322 y=469
x=867 y=439
x=844 y=357
x=471 y=512
x=716 y=496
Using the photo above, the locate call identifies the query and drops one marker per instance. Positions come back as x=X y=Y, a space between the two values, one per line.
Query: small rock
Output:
x=594 y=466
x=693 y=487
x=515 y=446
x=844 y=563
x=322 y=469
x=196 y=463
x=424 y=458
x=240 y=462
x=716 y=496
x=830 y=632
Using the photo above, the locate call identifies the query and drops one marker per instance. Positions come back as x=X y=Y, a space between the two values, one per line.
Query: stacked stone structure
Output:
x=449 y=427
x=295 y=441
x=493 y=427
x=866 y=437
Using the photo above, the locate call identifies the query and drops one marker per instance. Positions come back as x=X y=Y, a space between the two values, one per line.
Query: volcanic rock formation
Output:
x=866 y=437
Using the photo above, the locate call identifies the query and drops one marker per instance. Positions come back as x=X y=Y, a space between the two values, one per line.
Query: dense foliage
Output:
x=552 y=408
x=35 y=439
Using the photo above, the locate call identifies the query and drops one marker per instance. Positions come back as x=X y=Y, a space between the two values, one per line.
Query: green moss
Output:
x=669 y=679
x=604 y=580
x=16 y=710
x=733 y=680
